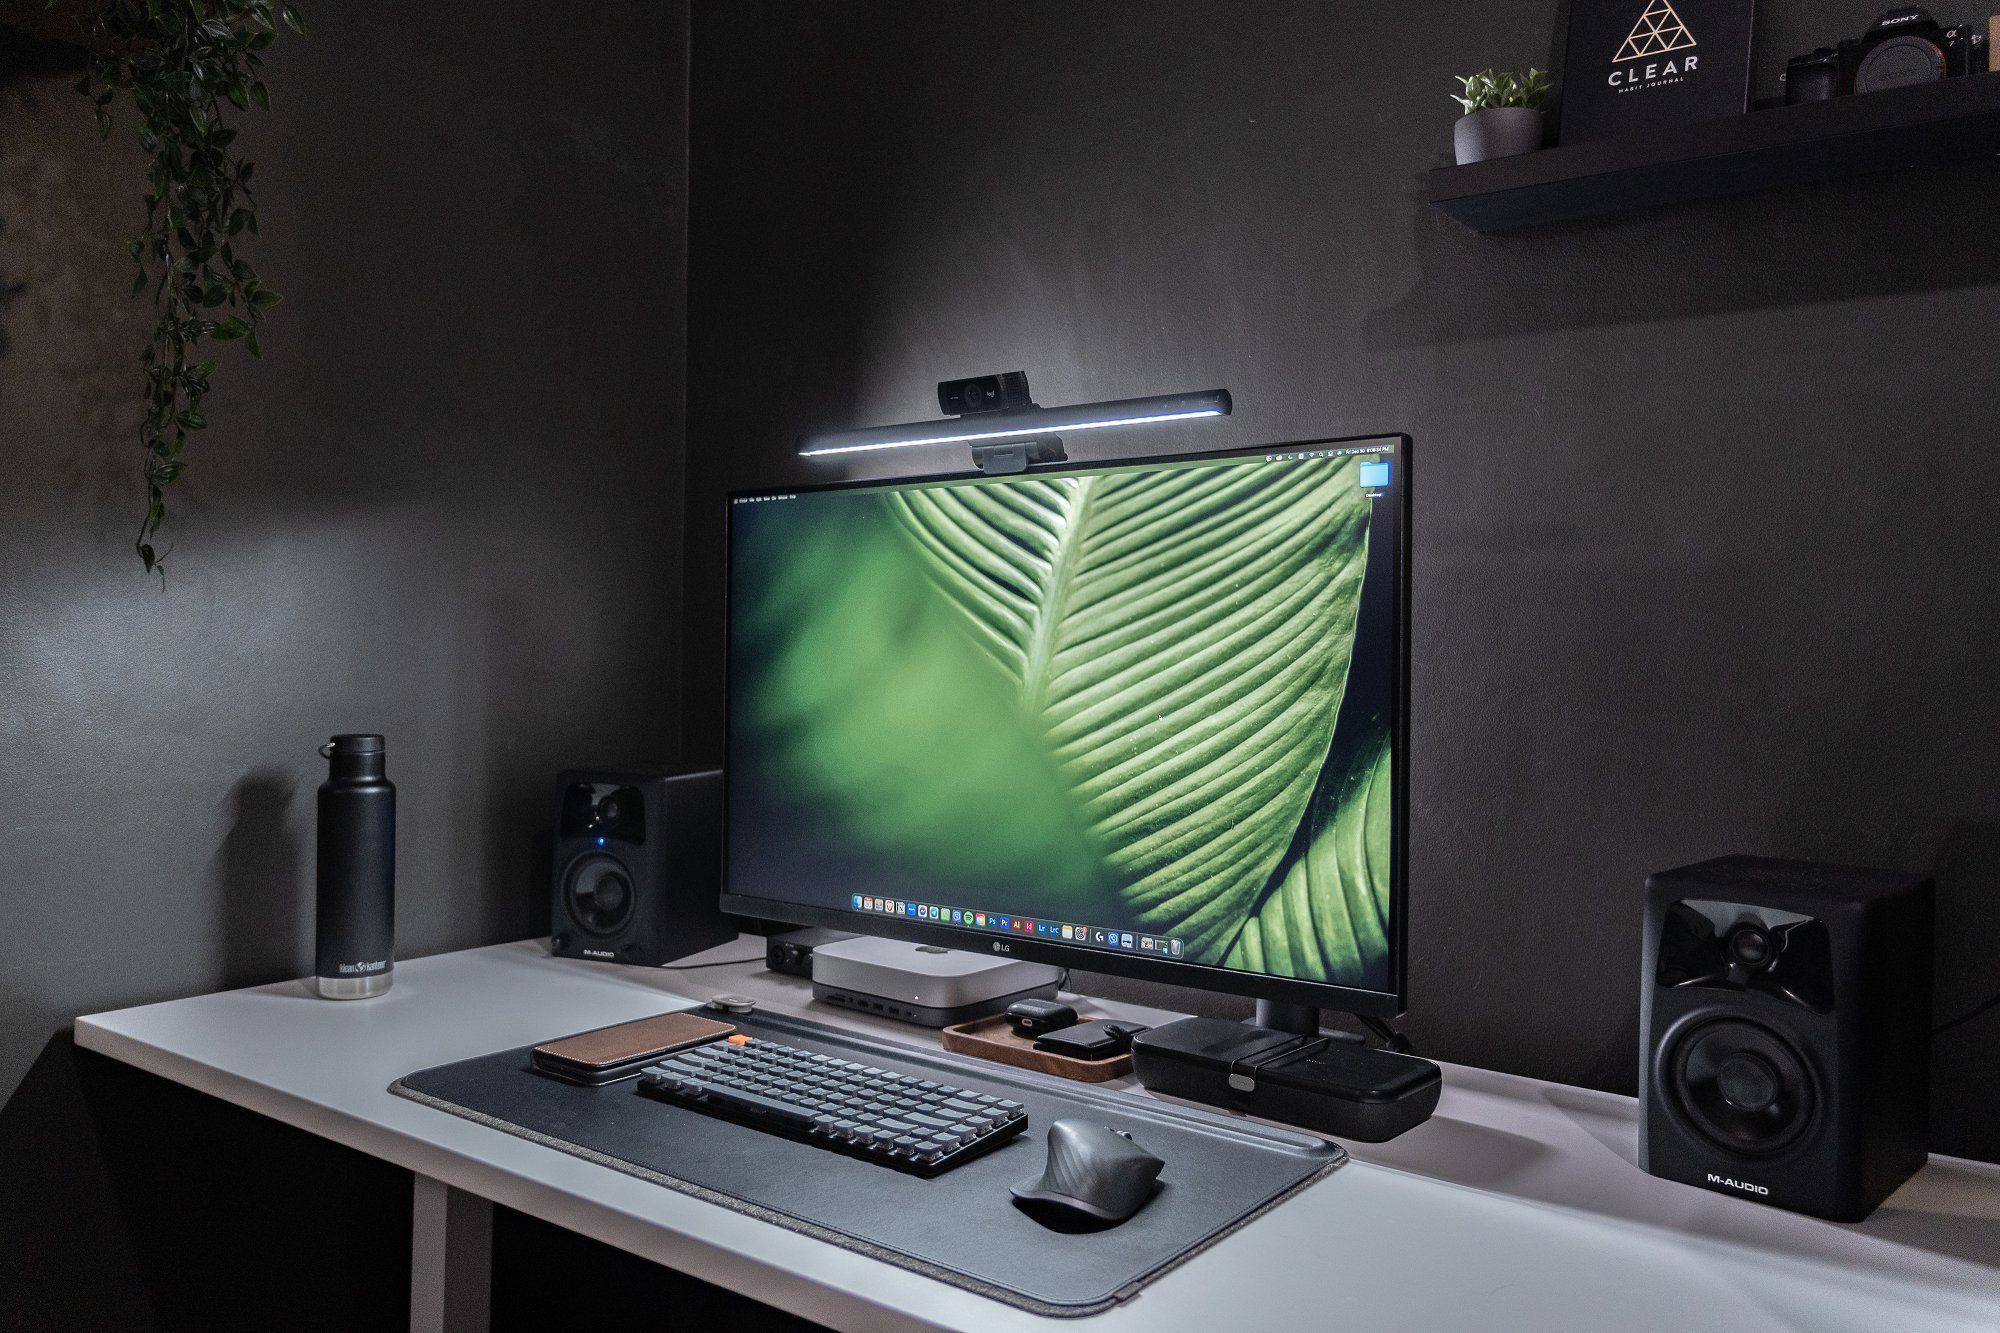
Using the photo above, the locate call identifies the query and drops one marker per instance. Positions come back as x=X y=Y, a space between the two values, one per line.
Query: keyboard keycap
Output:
x=783 y=1112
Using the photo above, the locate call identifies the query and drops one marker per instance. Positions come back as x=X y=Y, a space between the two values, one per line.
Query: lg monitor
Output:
x=1144 y=717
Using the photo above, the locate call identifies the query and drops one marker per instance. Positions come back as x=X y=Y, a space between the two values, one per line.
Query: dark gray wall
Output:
x=446 y=506
x=1703 y=548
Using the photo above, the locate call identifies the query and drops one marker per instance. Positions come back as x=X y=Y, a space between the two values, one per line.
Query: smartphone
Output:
x=606 y=1055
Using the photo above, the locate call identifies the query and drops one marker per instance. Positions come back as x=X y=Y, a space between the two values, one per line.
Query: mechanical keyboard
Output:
x=897 y=1120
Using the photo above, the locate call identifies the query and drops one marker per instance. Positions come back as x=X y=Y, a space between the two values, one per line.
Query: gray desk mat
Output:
x=960 y=1227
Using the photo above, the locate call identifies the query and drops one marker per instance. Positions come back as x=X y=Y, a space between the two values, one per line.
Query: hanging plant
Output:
x=179 y=61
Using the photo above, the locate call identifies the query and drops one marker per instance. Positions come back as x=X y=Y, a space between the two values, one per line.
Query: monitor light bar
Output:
x=1024 y=423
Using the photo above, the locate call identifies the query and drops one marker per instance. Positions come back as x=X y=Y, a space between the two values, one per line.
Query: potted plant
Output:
x=1503 y=115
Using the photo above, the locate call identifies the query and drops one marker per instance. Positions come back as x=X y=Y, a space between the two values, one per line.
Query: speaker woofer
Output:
x=1741 y=1086
x=598 y=892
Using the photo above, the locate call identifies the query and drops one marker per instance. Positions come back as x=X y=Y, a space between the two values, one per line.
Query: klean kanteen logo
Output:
x=1743 y=1185
x=1657 y=52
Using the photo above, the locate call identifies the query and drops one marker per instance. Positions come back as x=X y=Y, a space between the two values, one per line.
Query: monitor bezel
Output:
x=1200 y=976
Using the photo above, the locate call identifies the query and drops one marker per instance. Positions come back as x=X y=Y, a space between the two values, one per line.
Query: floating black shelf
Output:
x=1953 y=121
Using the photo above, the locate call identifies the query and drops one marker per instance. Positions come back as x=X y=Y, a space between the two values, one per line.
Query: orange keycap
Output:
x=739 y=1040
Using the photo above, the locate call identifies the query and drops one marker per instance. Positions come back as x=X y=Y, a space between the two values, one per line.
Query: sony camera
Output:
x=1005 y=392
x=1902 y=47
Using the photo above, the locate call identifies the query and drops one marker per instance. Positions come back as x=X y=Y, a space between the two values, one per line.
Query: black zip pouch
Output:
x=1097 y=1040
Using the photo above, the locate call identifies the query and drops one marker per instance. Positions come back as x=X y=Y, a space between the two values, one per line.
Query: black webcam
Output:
x=1006 y=392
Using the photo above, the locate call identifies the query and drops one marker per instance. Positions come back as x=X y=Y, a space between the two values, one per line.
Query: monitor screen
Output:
x=1143 y=717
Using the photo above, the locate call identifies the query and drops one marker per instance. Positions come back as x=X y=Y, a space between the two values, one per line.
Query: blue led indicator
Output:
x=600 y=842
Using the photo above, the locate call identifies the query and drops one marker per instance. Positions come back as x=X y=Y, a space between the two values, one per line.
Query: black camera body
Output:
x=1006 y=392
x=1903 y=47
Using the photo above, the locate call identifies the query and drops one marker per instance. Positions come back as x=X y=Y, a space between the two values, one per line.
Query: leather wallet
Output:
x=605 y=1055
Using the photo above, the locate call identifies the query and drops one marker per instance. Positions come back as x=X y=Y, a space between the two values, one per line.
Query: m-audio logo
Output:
x=1651 y=56
x=599 y=953
x=1743 y=1185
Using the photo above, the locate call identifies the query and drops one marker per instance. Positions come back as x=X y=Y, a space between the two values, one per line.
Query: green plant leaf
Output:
x=1182 y=638
x=1487 y=89
x=1327 y=915
x=857 y=678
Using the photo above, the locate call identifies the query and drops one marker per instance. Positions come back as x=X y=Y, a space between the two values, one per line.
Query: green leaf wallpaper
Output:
x=1326 y=917
x=1108 y=698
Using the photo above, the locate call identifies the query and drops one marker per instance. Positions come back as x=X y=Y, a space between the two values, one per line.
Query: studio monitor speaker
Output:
x=638 y=865
x=1784 y=1032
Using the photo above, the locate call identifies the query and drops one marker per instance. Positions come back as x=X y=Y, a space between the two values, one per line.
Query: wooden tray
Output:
x=992 y=1039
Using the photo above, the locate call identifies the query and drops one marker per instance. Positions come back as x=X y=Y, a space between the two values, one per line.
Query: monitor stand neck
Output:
x=1281 y=1016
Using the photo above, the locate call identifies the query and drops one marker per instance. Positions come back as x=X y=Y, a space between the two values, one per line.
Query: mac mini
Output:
x=924 y=983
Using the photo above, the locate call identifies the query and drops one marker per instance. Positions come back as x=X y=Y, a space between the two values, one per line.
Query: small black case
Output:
x=1334 y=1087
x=1034 y=1018
x=1099 y=1039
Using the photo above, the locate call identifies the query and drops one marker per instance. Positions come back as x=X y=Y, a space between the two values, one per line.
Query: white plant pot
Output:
x=1498 y=131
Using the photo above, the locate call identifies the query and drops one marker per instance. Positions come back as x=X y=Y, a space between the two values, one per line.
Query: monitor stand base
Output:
x=1303 y=1019
x=1282 y=1016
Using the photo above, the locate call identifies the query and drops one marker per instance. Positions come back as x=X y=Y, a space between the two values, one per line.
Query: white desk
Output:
x=1516 y=1207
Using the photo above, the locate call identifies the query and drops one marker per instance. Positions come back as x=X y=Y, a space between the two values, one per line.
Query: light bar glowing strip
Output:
x=1018 y=432
x=1026 y=425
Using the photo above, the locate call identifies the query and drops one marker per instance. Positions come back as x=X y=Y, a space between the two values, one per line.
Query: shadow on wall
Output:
x=9 y=292
x=261 y=872
x=1967 y=872
x=27 y=56
x=22 y=58
x=1841 y=241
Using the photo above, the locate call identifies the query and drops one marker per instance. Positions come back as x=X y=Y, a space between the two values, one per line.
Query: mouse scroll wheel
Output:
x=1122 y=1134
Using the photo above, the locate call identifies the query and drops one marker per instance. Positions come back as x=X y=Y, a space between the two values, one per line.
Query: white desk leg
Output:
x=451 y=1259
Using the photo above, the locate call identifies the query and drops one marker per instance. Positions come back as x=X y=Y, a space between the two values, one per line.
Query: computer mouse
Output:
x=1095 y=1177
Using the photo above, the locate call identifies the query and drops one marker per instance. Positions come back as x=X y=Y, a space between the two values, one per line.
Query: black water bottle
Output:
x=356 y=936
